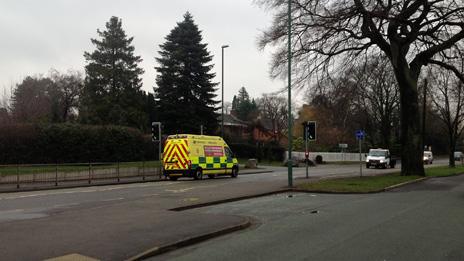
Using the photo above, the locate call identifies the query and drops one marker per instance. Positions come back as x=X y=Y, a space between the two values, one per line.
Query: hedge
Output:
x=72 y=143
x=260 y=151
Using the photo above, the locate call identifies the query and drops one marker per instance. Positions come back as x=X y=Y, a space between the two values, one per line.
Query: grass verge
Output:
x=375 y=183
x=444 y=171
x=357 y=184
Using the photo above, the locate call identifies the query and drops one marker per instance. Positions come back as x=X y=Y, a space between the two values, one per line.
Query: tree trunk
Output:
x=411 y=132
x=452 y=145
x=386 y=134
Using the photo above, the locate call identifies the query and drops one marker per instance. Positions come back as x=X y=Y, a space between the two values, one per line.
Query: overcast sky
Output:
x=39 y=35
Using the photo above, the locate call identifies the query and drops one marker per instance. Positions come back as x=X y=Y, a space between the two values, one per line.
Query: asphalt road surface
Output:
x=424 y=221
x=114 y=222
x=29 y=205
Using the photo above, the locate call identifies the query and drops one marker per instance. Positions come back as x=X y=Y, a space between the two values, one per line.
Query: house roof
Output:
x=231 y=120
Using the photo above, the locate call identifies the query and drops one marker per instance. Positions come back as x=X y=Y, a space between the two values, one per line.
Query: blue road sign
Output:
x=360 y=134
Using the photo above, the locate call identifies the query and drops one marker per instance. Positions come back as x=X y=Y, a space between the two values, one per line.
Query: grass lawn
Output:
x=444 y=171
x=375 y=183
x=357 y=184
x=31 y=169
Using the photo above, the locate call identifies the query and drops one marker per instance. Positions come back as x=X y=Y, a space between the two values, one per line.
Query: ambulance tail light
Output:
x=189 y=164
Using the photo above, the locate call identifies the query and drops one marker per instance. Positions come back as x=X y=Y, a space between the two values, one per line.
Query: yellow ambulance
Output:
x=188 y=155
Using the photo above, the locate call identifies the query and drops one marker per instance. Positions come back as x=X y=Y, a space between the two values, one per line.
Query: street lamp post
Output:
x=222 y=93
x=289 y=57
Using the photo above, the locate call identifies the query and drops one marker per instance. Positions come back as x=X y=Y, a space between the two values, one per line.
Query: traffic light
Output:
x=155 y=131
x=310 y=130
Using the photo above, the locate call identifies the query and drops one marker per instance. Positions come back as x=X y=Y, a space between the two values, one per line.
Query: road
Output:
x=424 y=221
x=38 y=203
x=116 y=222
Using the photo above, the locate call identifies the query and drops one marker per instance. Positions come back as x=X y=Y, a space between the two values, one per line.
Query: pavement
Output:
x=117 y=222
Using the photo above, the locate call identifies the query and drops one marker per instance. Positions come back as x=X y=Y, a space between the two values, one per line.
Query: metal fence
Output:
x=328 y=156
x=21 y=175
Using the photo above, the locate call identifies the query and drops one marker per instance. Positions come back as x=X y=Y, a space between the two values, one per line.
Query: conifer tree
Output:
x=245 y=108
x=112 y=93
x=185 y=92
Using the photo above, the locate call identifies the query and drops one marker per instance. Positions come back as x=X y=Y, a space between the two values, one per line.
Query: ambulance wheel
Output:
x=172 y=178
x=234 y=172
x=211 y=176
x=198 y=174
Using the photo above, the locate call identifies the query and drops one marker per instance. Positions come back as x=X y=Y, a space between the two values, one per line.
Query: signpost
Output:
x=309 y=135
x=156 y=137
x=343 y=146
x=360 y=136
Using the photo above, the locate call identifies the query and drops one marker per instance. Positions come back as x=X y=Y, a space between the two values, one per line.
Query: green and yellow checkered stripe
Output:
x=213 y=162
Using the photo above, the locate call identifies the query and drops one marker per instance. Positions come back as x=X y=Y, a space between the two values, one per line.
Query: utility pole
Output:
x=289 y=57
x=222 y=93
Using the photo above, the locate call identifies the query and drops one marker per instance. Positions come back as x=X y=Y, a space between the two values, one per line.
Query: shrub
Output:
x=66 y=143
x=260 y=151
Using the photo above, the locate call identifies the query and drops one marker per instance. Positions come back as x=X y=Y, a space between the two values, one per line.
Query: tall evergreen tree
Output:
x=185 y=92
x=112 y=92
x=244 y=106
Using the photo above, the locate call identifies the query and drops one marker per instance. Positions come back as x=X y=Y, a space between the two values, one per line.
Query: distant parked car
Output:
x=428 y=157
x=458 y=155
x=295 y=162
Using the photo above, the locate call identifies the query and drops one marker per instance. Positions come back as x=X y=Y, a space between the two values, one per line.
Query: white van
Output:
x=428 y=157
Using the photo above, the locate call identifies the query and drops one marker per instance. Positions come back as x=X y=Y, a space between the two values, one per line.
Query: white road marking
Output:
x=75 y=191
x=111 y=199
x=11 y=211
x=151 y=195
x=188 y=189
x=65 y=205
x=179 y=190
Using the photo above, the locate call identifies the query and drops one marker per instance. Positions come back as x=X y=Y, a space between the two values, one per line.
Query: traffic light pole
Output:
x=360 y=158
x=157 y=139
x=307 y=156
x=290 y=134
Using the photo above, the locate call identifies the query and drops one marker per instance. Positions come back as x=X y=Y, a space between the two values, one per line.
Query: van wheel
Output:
x=198 y=174
x=234 y=172
x=211 y=176
x=172 y=178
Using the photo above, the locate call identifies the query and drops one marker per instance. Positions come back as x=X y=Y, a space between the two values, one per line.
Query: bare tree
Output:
x=329 y=34
x=67 y=89
x=274 y=108
x=47 y=99
x=448 y=101
x=378 y=97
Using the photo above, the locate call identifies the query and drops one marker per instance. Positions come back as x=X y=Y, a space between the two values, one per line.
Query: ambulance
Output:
x=188 y=155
